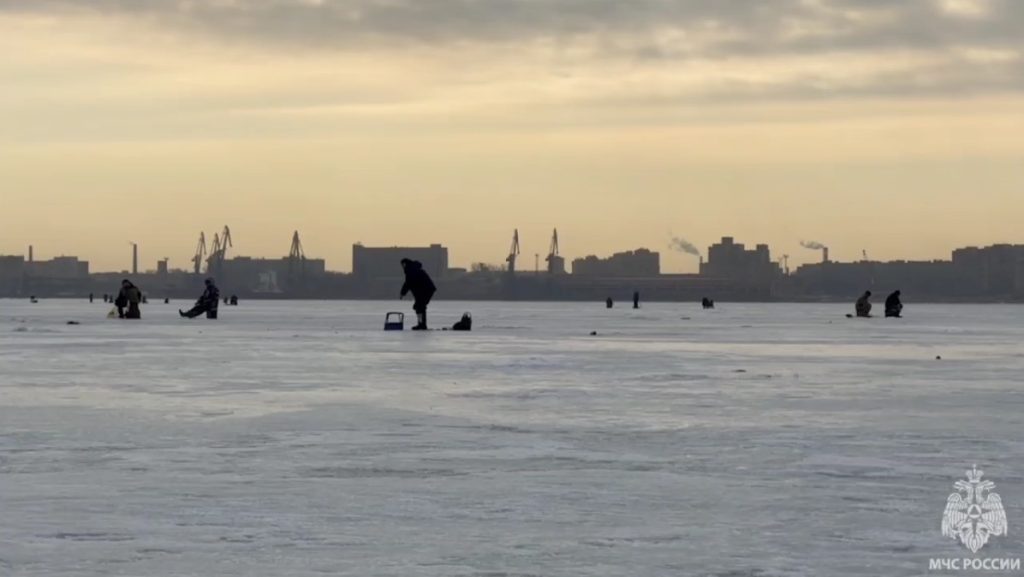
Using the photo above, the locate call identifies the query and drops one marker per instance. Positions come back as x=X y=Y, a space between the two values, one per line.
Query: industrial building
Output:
x=260 y=276
x=61 y=267
x=268 y=275
x=637 y=264
x=60 y=275
x=385 y=262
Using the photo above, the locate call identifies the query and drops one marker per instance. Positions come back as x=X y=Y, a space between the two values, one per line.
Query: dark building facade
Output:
x=384 y=262
x=731 y=260
x=61 y=267
x=997 y=269
x=638 y=263
x=989 y=273
x=267 y=275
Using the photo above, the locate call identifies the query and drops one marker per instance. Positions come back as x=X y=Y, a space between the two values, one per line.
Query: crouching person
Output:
x=464 y=324
x=893 y=306
x=130 y=296
x=863 y=305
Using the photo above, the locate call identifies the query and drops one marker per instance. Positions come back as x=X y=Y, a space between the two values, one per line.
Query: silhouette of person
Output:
x=893 y=306
x=608 y=303
x=422 y=287
x=130 y=296
x=636 y=299
x=464 y=324
x=863 y=305
x=207 y=303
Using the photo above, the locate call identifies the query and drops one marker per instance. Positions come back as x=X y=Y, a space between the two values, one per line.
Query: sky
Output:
x=888 y=127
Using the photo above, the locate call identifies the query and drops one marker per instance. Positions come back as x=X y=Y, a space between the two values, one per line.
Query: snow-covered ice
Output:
x=299 y=439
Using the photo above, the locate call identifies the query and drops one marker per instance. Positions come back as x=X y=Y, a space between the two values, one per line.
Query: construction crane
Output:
x=296 y=256
x=556 y=264
x=864 y=254
x=197 y=260
x=513 y=252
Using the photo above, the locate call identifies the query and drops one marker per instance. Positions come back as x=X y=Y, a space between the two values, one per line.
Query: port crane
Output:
x=513 y=252
x=556 y=264
x=296 y=255
x=219 y=250
x=197 y=260
x=553 y=251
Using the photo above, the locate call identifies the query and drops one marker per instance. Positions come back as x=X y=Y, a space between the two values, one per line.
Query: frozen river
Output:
x=299 y=439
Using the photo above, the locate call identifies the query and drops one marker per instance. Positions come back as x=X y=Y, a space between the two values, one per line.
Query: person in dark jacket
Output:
x=893 y=306
x=206 y=304
x=129 y=297
x=418 y=282
x=863 y=305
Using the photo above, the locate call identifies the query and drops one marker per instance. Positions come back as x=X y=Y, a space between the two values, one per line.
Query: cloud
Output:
x=623 y=54
x=663 y=28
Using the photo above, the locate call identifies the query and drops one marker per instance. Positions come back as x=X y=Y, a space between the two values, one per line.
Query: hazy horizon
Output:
x=892 y=128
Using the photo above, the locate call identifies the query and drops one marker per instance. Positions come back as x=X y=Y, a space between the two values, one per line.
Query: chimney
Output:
x=135 y=258
x=824 y=254
x=31 y=255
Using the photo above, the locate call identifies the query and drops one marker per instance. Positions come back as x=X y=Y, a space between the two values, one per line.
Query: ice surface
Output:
x=299 y=439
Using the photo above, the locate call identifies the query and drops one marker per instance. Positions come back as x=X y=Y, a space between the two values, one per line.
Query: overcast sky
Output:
x=890 y=127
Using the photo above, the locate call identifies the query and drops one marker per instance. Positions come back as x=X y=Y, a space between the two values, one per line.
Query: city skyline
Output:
x=527 y=260
x=891 y=128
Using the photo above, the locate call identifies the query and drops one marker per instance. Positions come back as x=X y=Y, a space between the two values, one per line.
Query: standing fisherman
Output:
x=418 y=282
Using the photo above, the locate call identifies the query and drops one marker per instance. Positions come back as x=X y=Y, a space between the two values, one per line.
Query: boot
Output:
x=421 y=322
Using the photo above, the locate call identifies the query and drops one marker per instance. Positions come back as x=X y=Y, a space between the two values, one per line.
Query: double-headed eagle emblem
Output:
x=974 y=513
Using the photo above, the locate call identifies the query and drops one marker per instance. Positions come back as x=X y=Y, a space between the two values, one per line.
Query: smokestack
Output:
x=824 y=254
x=31 y=254
x=135 y=258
